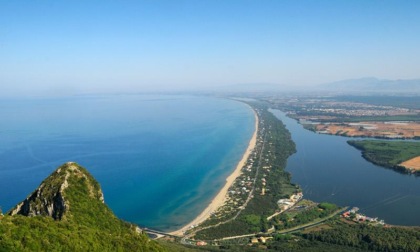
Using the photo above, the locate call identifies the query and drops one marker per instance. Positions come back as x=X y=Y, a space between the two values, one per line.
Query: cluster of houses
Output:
x=355 y=109
x=266 y=170
x=352 y=214
x=285 y=204
x=244 y=186
x=201 y=243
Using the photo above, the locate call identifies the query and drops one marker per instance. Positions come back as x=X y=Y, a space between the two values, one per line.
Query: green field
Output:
x=388 y=153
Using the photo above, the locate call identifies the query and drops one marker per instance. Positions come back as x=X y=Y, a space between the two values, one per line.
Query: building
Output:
x=254 y=240
x=201 y=243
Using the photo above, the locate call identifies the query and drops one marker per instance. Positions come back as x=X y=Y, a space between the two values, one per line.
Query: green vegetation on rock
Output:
x=67 y=213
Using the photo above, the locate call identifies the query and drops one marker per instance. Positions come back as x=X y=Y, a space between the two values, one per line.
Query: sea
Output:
x=160 y=159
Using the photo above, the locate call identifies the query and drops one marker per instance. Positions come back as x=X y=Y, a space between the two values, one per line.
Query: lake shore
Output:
x=221 y=196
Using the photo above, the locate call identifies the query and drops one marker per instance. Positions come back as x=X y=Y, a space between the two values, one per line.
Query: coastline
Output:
x=221 y=196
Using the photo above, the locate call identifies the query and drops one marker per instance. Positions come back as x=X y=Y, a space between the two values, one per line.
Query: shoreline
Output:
x=221 y=196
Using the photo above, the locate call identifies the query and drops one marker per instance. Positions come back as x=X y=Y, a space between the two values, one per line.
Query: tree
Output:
x=264 y=224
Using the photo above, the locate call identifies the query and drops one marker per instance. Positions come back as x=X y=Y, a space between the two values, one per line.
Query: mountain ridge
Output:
x=67 y=213
x=51 y=192
x=372 y=84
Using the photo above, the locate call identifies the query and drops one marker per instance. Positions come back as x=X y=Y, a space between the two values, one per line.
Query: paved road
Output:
x=294 y=229
x=158 y=233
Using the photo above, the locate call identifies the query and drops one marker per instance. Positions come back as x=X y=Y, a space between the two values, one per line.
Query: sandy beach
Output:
x=220 y=198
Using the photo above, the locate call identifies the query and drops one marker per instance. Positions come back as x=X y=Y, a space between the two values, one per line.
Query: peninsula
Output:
x=400 y=156
x=262 y=209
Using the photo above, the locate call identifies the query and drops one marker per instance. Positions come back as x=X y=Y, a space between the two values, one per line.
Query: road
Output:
x=294 y=229
x=158 y=233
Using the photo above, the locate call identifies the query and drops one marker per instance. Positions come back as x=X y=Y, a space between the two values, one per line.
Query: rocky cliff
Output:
x=67 y=213
x=49 y=200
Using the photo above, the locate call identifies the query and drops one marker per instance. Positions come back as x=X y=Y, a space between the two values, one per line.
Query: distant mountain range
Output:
x=369 y=85
x=373 y=85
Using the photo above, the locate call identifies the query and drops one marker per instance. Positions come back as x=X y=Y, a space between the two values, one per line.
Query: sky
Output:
x=56 y=47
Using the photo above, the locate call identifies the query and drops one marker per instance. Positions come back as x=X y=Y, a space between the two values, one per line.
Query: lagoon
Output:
x=328 y=169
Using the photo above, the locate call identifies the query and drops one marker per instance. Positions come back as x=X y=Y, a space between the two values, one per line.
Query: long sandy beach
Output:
x=220 y=198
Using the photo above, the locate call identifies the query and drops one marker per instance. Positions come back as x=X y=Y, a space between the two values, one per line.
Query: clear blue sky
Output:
x=95 y=46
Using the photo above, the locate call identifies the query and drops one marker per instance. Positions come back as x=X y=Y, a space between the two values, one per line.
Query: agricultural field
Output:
x=413 y=164
x=406 y=130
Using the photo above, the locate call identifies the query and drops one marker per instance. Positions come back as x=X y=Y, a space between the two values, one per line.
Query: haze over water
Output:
x=159 y=159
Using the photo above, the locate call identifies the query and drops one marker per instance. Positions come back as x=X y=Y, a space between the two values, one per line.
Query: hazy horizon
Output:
x=79 y=47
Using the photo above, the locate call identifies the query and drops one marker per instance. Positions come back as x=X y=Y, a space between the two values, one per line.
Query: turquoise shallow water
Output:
x=160 y=159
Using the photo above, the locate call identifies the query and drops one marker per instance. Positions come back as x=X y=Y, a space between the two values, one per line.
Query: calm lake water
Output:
x=328 y=169
x=159 y=159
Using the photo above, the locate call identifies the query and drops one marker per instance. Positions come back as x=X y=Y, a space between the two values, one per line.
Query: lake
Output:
x=328 y=169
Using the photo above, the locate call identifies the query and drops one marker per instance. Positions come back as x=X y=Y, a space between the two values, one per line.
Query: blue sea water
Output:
x=160 y=159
